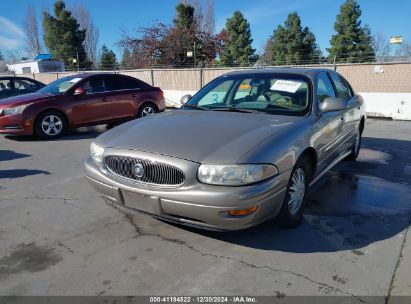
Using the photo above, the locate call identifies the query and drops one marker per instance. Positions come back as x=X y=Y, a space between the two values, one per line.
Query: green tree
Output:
x=292 y=44
x=126 y=59
x=1 y=56
x=63 y=37
x=351 y=42
x=237 y=49
x=185 y=16
x=108 y=60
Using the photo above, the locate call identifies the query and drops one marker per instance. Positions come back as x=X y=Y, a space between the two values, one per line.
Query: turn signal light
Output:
x=243 y=212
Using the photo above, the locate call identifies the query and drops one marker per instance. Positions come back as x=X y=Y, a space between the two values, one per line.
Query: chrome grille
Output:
x=152 y=172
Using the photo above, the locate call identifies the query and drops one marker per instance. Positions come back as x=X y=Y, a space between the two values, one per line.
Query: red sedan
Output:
x=79 y=100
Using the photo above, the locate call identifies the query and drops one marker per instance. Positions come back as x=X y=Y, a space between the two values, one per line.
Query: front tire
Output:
x=355 y=150
x=291 y=213
x=50 y=125
x=147 y=109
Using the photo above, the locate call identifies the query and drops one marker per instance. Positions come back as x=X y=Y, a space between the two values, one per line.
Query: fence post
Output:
x=201 y=78
x=34 y=76
x=152 y=77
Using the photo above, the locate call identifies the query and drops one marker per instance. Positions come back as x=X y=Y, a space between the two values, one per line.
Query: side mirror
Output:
x=185 y=98
x=331 y=104
x=79 y=91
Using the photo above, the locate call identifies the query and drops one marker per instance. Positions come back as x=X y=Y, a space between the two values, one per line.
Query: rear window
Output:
x=122 y=83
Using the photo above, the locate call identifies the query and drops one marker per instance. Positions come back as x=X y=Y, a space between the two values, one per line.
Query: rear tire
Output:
x=50 y=125
x=147 y=109
x=291 y=213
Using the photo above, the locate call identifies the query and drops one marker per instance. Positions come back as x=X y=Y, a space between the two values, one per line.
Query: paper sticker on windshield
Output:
x=286 y=86
x=74 y=80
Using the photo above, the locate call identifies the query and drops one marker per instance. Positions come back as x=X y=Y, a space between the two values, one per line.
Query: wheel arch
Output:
x=362 y=124
x=311 y=154
x=148 y=101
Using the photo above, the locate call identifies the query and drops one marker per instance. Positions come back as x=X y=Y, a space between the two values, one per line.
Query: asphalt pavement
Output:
x=58 y=237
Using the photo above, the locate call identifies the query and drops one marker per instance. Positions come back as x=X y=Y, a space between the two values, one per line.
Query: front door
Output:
x=327 y=135
x=350 y=117
x=94 y=106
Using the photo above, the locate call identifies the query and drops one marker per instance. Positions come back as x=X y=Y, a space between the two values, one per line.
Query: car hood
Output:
x=24 y=99
x=199 y=136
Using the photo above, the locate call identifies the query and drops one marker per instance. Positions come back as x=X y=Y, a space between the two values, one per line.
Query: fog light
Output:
x=243 y=212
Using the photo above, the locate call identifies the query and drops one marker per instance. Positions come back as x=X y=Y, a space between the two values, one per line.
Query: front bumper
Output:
x=197 y=204
x=16 y=125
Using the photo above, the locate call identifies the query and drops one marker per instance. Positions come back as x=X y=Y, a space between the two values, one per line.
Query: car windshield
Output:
x=60 y=86
x=280 y=94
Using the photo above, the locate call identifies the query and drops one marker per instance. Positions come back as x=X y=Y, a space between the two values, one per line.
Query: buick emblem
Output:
x=138 y=170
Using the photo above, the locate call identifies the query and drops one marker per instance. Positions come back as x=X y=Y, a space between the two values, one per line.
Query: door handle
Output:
x=342 y=118
x=106 y=99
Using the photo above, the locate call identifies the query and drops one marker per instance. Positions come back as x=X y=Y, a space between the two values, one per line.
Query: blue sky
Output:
x=387 y=17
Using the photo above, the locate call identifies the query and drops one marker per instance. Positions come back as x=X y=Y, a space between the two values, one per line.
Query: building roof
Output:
x=43 y=57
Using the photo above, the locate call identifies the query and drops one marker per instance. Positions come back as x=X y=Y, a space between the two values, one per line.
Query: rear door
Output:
x=94 y=106
x=349 y=121
x=6 y=88
x=328 y=137
x=24 y=86
x=124 y=95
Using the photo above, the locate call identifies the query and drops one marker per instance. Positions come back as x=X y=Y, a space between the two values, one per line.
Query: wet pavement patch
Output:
x=28 y=257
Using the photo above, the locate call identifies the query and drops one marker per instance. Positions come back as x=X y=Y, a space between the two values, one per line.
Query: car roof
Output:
x=309 y=72
x=86 y=75
x=16 y=77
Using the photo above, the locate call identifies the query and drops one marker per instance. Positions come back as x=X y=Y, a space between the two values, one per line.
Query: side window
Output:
x=5 y=84
x=324 y=87
x=120 y=83
x=23 y=84
x=341 y=86
x=94 y=85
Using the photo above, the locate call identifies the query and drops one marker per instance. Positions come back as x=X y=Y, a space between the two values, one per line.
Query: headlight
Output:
x=235 y=175
x=96 y=152
x=16 y=110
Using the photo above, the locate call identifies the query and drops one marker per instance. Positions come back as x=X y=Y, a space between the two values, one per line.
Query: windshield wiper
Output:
x=195 y=107
x=234 y=109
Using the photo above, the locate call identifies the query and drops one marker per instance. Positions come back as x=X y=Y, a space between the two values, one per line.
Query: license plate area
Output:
x=146 y=203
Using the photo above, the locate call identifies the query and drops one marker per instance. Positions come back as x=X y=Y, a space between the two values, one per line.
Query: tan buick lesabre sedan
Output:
x=243 y=150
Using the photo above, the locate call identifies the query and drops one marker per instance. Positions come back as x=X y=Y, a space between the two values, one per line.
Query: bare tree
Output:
x=31 y=29
x=209 y=19
x=381 y=45
x=198 y=12
x=12 y=56
x=92 y=33
x=204 y=16
x=405 y=48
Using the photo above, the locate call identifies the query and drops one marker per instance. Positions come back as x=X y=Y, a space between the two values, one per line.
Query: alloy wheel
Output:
x=147 y=111
x=296 y=191
x=52 y=125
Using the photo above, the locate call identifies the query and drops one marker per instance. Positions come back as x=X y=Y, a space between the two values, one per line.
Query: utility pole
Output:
x=195 y=63
x=78 y=62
